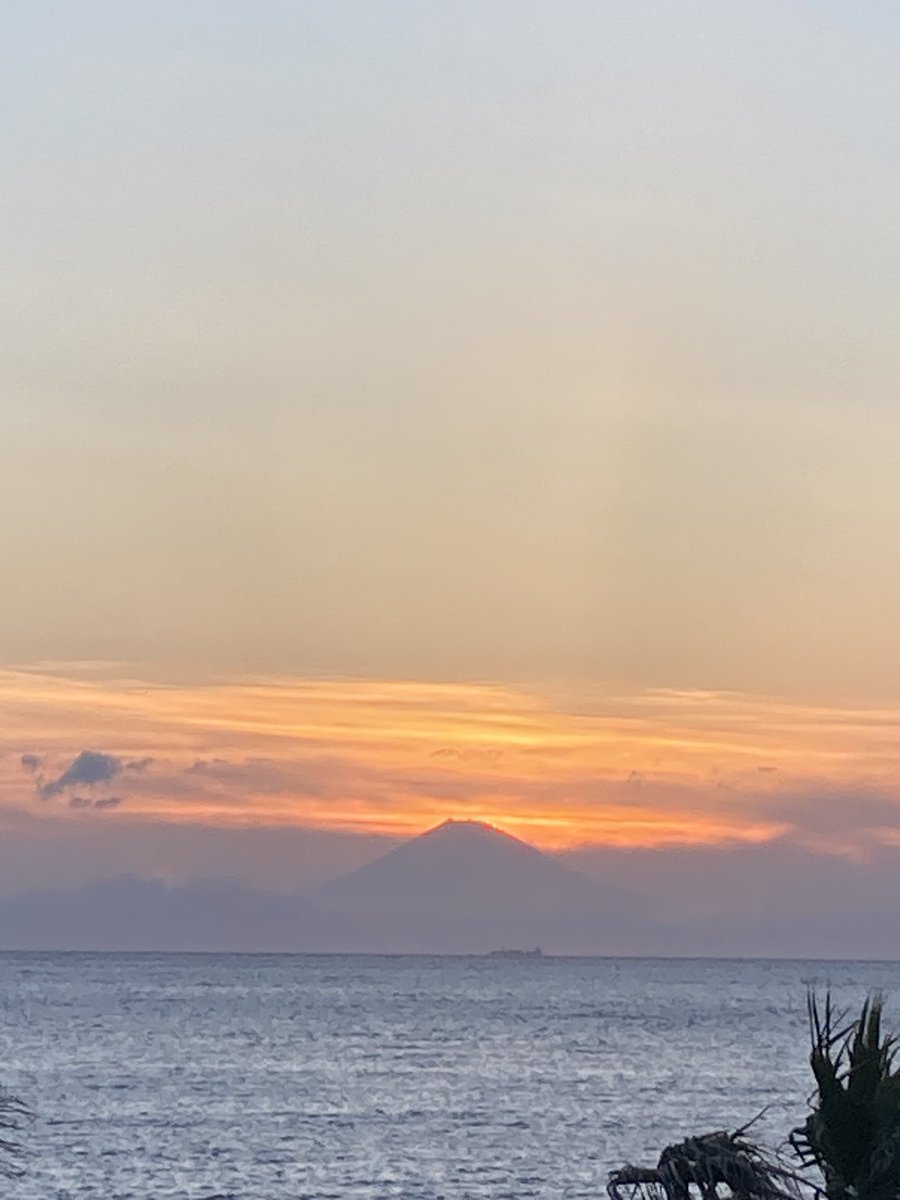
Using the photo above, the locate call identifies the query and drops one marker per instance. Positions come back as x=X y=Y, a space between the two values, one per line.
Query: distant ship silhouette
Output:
x=537 y=952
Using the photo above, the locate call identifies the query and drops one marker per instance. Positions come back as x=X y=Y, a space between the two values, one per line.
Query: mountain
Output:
x=461 y=888
x=466 y=887
x=465 y=867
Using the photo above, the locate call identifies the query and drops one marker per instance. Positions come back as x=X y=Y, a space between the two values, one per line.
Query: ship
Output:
x=537 y=952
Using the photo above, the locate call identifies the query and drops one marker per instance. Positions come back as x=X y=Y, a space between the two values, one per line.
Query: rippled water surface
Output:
x=159 y=1076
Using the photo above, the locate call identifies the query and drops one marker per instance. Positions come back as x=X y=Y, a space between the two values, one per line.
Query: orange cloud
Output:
x=649 y=769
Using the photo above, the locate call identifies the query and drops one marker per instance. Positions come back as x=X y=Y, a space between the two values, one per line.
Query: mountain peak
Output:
x=461 y=841
x=465 y=826
x=459 y=864
x=466 y=885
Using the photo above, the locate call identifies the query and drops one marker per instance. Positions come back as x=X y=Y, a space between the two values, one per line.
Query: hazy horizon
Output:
x=765 y=901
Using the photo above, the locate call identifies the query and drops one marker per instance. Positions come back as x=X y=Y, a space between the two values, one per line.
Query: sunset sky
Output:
x=417 y=409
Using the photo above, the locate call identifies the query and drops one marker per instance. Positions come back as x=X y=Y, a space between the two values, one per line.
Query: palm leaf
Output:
x=852 y=1133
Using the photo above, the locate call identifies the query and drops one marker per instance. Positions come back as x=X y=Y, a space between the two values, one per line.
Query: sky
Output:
x=426 y=409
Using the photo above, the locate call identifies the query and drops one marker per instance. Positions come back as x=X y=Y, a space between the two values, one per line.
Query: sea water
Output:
x=317 y=1076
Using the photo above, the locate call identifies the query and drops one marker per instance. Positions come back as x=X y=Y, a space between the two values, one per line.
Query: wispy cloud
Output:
x=646 y=769
x=101 y=804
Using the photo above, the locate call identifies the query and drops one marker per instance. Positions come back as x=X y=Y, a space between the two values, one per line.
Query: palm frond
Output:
x=704 y=1164
x=852 y=1133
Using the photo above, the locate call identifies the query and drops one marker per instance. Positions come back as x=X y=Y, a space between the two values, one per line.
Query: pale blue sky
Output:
x=454 y=340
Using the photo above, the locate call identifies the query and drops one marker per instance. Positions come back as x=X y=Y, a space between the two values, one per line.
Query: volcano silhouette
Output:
x=466 y=887
x=461 y=888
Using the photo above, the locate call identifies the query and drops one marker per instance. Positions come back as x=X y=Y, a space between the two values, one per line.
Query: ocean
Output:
x=156 y=1075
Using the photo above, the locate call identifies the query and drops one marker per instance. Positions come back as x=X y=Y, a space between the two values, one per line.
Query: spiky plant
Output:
x=852 y=1133
x=729 y=1159
x=13 y=1114
x=703 y=1165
